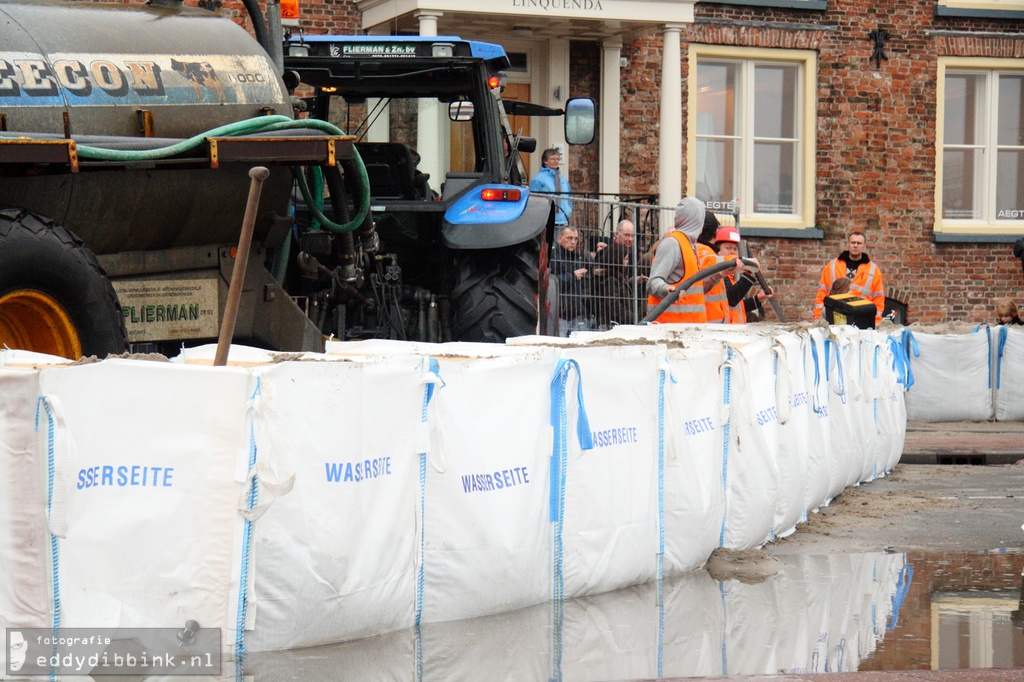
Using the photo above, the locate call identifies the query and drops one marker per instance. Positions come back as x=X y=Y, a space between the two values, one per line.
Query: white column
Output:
x=670 y=146
x=611 y=116
x=380 y=129
x=431 y=138
x=558 y=93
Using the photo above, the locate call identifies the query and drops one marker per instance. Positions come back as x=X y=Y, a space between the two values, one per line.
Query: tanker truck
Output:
x=126 y=137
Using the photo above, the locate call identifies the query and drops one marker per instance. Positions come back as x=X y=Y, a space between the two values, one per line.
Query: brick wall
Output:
x=318 y=16
x=875 y=146
x=585 y=81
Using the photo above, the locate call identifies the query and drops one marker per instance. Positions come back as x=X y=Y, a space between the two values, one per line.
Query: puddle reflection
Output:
x=836 y=613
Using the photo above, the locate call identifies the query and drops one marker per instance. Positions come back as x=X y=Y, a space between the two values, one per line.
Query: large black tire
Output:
x=54 y=296
x=495 y=297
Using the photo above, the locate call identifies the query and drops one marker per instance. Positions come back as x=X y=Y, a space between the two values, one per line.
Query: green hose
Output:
x=246 y=127
x=314 y=206
x=259 y=124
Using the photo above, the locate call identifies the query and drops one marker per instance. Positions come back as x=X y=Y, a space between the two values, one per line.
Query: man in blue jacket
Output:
x=551 y=181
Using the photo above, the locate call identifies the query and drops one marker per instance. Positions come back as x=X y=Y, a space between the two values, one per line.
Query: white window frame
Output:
x=987 y=225
x=804 y=202
x=991 y=5
x=796 y=4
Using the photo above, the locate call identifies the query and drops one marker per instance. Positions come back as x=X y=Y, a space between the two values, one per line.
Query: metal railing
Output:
x=613 y=289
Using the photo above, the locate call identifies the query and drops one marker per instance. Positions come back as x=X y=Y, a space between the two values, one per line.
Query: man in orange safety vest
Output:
x=675 y=259
x=865 y=276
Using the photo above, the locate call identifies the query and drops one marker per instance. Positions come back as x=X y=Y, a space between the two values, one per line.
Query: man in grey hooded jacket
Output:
x=675 y=259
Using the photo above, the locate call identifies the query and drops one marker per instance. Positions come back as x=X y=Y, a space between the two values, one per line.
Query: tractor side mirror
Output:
x=580 y=118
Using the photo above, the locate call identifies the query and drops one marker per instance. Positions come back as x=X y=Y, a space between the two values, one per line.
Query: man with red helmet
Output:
x=727 y=241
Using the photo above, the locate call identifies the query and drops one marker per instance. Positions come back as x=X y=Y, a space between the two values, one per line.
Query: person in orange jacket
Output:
x=727 y=241
x=675 y=259
x=865 y=276
x=714 y=286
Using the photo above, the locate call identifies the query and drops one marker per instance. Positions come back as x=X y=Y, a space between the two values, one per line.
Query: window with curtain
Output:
x=981 y=164
x=751 y=135
x=980 y=8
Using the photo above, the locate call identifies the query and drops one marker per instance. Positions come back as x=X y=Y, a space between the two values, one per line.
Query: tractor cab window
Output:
x=401 y=167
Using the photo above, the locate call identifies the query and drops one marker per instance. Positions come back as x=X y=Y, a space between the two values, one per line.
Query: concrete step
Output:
x=964 y=443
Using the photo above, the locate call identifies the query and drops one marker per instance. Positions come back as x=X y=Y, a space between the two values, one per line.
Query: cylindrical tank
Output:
x=104 y=66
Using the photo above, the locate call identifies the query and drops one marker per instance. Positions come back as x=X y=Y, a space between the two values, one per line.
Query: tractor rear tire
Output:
x=496 y=297
x=54 y=296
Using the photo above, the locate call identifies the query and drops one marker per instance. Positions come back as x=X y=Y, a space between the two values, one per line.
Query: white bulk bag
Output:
x=890 y=415
x=25 y=542
x=945 y=365
x=846 y=448
x=694 y=483
x=336 y=558
x=864 y=377
x=795 y=413
x=819 y=454
x=609 y=530
x=486 y=527
x=752 y=474
x=158 y=468
x=1009 y=379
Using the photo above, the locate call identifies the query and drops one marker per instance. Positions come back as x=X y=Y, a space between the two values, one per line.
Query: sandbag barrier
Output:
x=306 y=499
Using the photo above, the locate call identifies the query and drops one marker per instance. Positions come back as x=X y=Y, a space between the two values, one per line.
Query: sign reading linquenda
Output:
x=585 y=5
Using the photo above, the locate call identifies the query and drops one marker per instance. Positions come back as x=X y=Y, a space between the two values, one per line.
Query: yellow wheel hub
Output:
x=32 y=320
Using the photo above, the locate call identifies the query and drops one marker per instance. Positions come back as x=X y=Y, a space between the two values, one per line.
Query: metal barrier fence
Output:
x=612 y=288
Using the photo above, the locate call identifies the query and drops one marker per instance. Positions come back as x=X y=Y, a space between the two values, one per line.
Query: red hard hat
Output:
x=727 y=233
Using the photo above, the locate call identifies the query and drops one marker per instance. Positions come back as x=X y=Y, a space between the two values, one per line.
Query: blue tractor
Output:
x=457 y=257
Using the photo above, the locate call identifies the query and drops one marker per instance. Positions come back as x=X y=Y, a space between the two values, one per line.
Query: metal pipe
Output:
x=276 y=34
x=227 y=326
x=671 y=297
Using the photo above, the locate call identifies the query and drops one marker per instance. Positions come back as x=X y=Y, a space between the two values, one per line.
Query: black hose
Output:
x=339 y=203
x=671 y=297
x=259 y=24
